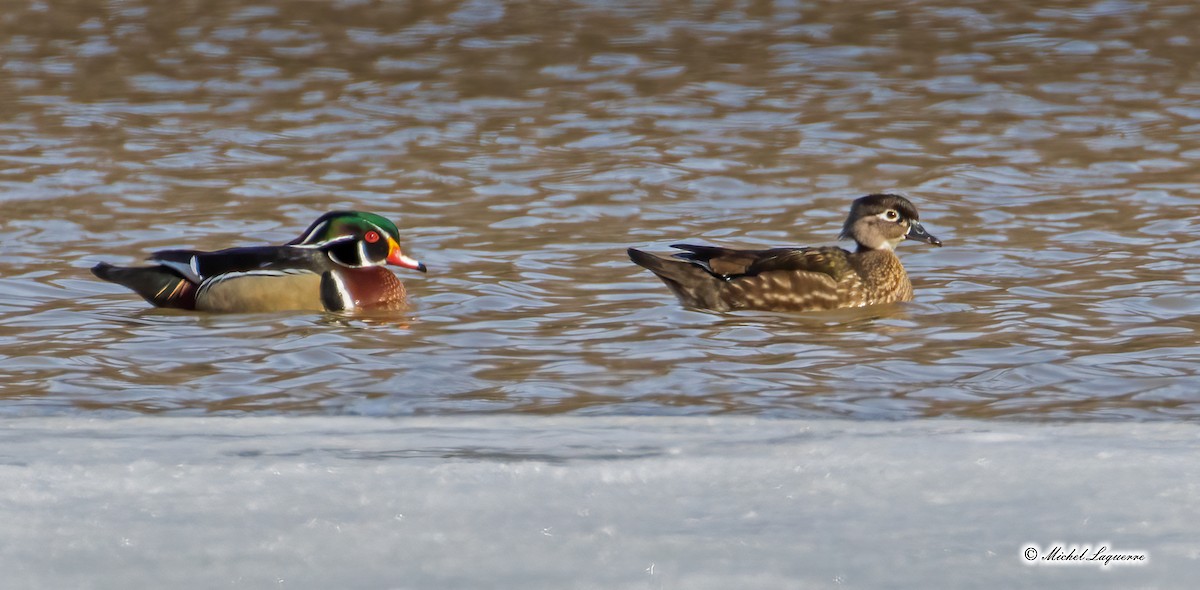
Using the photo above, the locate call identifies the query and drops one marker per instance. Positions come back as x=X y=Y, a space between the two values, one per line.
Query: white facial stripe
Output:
x=314 y=231
x=323 y=244
x=334 y=258
x=362 y=253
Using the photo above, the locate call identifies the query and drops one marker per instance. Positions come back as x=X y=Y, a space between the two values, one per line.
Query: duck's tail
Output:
x=159 y=285
x=694 y=285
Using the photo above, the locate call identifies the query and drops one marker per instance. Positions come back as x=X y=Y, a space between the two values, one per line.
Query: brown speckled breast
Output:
x=375 y=288
x=883 y=278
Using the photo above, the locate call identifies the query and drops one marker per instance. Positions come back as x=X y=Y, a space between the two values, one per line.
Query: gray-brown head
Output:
x=881 y=222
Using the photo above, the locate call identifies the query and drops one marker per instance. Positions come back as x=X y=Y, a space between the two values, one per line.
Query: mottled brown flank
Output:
x=871 y=278
x=785 y=279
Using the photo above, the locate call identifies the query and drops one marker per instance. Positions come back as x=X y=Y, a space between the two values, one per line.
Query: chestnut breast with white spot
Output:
x=373 y=287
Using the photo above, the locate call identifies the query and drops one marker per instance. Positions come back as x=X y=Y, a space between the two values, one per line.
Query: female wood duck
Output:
x=335 y=265
x=800 y=279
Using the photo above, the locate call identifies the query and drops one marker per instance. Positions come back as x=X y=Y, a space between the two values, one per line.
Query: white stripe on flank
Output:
x=343 y=292
x=208 y=283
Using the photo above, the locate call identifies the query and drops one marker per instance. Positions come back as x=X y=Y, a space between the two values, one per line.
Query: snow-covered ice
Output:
x=589 y=502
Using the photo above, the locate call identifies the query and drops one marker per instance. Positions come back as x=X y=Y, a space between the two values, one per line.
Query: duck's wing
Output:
x=731 y=263
x=777 y=279
x=198 y=266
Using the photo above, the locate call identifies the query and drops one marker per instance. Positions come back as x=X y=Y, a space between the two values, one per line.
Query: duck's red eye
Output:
x=371 y=237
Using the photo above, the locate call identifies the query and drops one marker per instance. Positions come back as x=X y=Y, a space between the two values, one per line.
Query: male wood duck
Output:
x=800 y=279
x=335 y=265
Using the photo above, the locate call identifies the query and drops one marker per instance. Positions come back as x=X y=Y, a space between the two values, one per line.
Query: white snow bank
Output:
x=582 y=502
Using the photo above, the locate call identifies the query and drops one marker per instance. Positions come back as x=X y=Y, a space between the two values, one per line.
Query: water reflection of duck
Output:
x=800 y=279
x=335 y=265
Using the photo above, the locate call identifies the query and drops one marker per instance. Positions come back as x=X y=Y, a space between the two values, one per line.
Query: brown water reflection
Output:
x=522 y=146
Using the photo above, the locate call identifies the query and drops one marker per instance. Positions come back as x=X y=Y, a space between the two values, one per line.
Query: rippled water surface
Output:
x=521 y=147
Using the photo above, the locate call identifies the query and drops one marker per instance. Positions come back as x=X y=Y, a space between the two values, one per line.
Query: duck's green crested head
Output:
x=340 y=225
x=356 y=239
